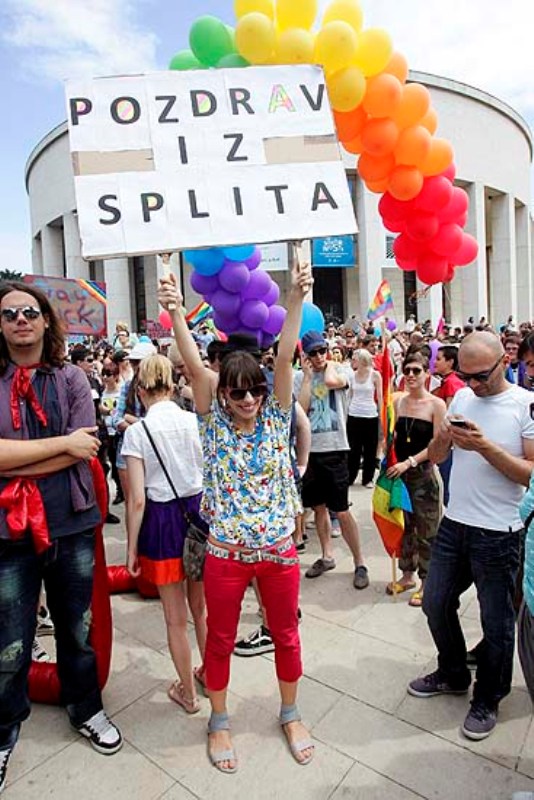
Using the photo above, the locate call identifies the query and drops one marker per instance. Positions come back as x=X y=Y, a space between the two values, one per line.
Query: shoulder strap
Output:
x=528 y=520
x=158 y=456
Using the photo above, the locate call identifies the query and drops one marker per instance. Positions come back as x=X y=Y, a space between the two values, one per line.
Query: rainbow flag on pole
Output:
x=382 y=301
x=199 y=313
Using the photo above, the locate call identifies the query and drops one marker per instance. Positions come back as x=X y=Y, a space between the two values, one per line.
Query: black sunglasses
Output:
x=480 y=377
x=260 y=390
x=106 y=373
x=412 y=370
x=89 y=359
x=28 y=312
x=321 y=351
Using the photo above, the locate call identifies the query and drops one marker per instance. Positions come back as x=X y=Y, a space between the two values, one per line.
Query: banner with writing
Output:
x=176 y=160
x=81 y=305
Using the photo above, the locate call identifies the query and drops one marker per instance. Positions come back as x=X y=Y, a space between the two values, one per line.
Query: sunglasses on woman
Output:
x=260 y=390
x=28 y=312
x=412 y=371
x=106 y=373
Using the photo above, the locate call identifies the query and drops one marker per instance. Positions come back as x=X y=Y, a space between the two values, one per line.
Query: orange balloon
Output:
x=382 y=96
x=398 y=66
x=440 y=156
x=405 y=183
x=378 y=187
x=373 y=168
x=349 y=124
x=354 y=145
x=414 y=104
x=430 y=121
x=379 y=136
x=413 y=146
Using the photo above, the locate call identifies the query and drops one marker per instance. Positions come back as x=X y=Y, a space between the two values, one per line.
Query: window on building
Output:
x=390 y=255
x=139 y=289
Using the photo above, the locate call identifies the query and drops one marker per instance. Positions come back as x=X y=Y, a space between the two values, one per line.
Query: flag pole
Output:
x=394 y=575
x=166 y=263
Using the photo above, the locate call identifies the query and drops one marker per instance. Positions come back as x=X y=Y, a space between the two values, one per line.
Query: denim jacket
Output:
x=77 y=411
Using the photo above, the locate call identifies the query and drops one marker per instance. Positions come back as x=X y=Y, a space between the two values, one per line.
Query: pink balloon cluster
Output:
x=432 y=241
x=244 y=298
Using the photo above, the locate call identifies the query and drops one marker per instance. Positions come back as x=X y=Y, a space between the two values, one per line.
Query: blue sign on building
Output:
x=333 y=251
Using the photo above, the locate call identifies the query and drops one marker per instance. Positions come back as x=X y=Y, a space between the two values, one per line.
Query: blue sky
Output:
x=486 y=43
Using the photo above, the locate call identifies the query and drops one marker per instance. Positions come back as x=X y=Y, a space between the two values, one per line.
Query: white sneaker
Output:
x=103 y=735
x=38 y=652
x=45 y=626
x=336 y=529
x=4 y=758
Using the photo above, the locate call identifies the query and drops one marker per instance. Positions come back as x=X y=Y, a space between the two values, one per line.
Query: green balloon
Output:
x=185 y=60
x=232 y=60
x=210 y=40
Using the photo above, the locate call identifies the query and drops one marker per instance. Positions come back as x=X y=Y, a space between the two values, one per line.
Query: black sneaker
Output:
x=45 y=626
x=361 y=578
x=319 y=567
x=258 y=642
x=431 y=685
x=471 y=659
x=119 y=498
x=480 y=721
x=112 y=519
x=103 y=735
x=5 y=755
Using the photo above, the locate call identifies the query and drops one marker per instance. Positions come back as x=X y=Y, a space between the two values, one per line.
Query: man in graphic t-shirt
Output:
x=321 y=388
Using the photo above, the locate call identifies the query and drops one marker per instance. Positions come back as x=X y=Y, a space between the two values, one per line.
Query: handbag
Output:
x=196 y=537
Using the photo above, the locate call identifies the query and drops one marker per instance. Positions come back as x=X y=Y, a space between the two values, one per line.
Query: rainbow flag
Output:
x=382 y=302
x=199 y=313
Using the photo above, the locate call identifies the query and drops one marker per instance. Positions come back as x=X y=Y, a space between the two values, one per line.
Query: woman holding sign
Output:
x=250 y=501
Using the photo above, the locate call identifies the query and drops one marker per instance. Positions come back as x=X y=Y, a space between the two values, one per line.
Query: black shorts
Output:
x=326 y=481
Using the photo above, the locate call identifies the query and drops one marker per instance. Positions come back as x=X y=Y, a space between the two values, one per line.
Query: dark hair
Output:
x=450 y=353
x=54 y=336
x=119 y=356
x=79 y=353
x=239 y=370
x=215 y=350
x=526 y=346
x=416 y=356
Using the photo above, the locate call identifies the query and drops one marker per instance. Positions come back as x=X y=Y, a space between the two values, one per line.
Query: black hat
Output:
x=246 y=342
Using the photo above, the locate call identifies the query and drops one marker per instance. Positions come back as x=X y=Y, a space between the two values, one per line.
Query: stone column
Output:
x=52 y=252
x=37 y=256
x=77 y=267
x=117 y=278
x=371 y=246
x=431 y=306
x=474 y=277
x=503 y=260
x=152 y=266
x=524 y=272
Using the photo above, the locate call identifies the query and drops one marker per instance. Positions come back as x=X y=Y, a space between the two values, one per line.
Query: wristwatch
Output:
x=412 y=461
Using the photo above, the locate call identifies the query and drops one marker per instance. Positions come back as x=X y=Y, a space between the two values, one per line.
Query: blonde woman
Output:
x=365 y=404
x=155 y=518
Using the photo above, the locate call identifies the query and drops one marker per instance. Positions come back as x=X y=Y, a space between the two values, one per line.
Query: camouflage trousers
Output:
x=421 y=524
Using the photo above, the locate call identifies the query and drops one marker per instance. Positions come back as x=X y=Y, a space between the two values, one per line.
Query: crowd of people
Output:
x=248 y=442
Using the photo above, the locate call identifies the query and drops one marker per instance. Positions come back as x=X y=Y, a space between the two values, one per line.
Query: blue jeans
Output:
x=67 y=571
x=461 y=555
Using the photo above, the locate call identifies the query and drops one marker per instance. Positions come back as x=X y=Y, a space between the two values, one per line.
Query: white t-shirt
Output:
x=175 y=433
x=480 y=495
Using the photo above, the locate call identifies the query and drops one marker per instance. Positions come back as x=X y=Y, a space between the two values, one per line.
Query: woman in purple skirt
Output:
x=155 y=518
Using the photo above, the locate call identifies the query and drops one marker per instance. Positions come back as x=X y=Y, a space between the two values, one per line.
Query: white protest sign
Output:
x=177 y=160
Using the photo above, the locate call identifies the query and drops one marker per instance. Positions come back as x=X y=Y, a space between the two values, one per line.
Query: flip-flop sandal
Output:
x=291 y=714
x=416 y=600
x=399 y=588
x=220 y=722
x=176 y=693
x=198 y=674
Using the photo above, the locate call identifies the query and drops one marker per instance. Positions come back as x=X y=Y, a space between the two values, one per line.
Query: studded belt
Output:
x=273 y=554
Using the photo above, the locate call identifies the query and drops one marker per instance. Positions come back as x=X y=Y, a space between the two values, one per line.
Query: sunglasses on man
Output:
x=28 y=312
x=260 y=390
x=320 y=351
x=479 y=377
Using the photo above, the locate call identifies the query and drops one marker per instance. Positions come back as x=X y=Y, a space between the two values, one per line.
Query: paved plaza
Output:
x=373 y=741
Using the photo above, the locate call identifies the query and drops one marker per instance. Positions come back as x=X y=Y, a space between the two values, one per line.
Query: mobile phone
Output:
x=459 y=423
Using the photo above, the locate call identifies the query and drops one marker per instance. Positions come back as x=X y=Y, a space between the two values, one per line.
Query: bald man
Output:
x=479 y=538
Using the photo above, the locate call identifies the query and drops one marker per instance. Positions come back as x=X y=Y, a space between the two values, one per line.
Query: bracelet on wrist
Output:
x=412 y=462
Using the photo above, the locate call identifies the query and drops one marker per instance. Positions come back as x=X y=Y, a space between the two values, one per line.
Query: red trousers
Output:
x=225 y=583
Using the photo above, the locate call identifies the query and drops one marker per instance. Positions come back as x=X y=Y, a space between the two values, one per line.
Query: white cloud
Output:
x=79 y=38
x=485 y=43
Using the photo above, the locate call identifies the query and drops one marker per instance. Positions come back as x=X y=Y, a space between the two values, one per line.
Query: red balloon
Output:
x=407 y=265
x=450 y=172
x=422 y=226
x=435 y=194
x=450 y=274
x=458 y=205
x=393 y=209
x=406 y=249
x=432 y=268
x=448 y=240
x=467 y=252
x=394 y=225
x=165 y=320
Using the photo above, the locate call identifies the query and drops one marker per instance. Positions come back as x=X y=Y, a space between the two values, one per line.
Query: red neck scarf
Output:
x=22 y=388
x=25 y=510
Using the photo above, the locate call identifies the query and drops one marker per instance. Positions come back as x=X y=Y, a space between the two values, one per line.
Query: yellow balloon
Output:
x=346 y=89
x=295 y=46
x=242 y=7
x=374 y=51
x=345 y=10
x=295 y=13
x=255 y=37
x=336 y=46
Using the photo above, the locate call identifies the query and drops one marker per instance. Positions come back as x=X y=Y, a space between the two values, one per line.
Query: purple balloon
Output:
x=434 y=347
x=234 y=277
x=266 y=340
x=254 y=313
x=203 y=284
x=225 y=303
x=258 y=286
x=392 y=325
x=277 y=315
x=224 y=323
x=273 y=295
x=254 y=260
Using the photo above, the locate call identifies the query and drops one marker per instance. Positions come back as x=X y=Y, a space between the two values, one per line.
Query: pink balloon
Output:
x=258 y=286
x=234 y=277
x=435 y=194
x=458 y=205
x=165 y=320
x=467 y=252
x=273 y=295
x=450 y=172
x=422 y=226
x=254 y=313
x=448 y=240
x=277 y=315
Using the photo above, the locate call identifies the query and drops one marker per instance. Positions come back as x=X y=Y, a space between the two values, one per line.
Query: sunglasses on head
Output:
x=320 y=351
x=260 y=390
x=28 y=312
x=412 y=370
x=480 y=377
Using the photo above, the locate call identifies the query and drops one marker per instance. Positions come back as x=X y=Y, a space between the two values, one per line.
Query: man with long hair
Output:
x=48 y=515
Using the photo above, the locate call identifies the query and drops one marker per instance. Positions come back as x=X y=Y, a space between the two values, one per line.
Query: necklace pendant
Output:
x=408 y=439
